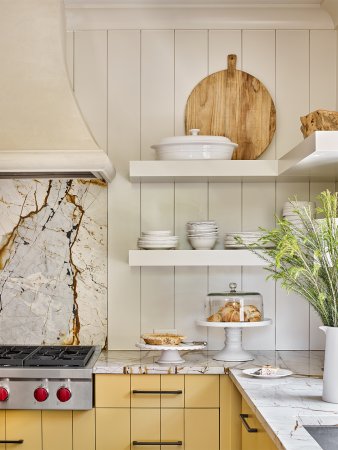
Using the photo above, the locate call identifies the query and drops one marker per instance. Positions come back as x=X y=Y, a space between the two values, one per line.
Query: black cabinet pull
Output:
x=157 y=392
x=19 y=441
x=158 y=443
x=247 y=426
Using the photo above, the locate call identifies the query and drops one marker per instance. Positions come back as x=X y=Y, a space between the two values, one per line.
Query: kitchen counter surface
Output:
x=283 y=405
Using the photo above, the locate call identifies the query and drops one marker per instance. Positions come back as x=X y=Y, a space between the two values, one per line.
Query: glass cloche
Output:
x=234 y=306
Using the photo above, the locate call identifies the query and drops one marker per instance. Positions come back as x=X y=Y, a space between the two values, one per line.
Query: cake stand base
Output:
x=170 y=357
x=233 y=350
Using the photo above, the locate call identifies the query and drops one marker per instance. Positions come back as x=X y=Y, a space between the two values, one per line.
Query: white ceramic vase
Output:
x=330 y=379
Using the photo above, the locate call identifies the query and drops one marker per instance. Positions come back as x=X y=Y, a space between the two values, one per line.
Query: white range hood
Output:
x=42 y=131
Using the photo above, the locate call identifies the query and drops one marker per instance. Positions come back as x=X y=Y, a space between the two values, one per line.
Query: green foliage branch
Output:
x=304 y=256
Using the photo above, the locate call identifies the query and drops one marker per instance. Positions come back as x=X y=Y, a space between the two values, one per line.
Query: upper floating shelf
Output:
x=314 y=158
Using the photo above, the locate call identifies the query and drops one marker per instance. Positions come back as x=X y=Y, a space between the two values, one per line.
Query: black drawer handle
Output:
x=247 y=426
x=157 y=392
x=158 y=443
x=20 y=441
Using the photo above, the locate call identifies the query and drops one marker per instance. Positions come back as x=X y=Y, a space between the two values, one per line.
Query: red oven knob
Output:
x=41 y=394
x=63 y=394
x=4 y=394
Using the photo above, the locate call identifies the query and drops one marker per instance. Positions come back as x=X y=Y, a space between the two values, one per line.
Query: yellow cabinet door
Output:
x=112 y=429
x=202 y=391
x=84 y=430
x=57 y=430
x=2 y=429
x=255 y=441
x=142 y=391
x=201 y=428
x=145 y=427
x=112 y=391
x=24 y=425
x=174 y=385
x=172 y=427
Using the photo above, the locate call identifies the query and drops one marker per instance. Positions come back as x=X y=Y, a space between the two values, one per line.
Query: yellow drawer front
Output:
x=201 y=391
x=201 y=429
x=84 y=430
x=145 y=384
x=172 y=383
x=24 y=425
x=172 y=426
x=57 y=430
x=145 y=427
x=112 y=429
x=112 y=391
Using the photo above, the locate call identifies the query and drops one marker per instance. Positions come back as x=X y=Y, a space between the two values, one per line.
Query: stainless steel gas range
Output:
x=47 y=377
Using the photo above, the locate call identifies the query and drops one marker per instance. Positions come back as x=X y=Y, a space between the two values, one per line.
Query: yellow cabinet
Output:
x=112 y=391
x=174 y=386
x=172 y=426
x=201 y=429
x=24 y=425
x=57 y=430
x=84 y=430
x=2 y=429
x=254 y=440
x=145 y=391
x=112 y=429
x=145 y=427
x=202 y=391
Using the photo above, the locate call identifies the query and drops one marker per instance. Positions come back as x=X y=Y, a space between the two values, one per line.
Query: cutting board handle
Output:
x=232 y=61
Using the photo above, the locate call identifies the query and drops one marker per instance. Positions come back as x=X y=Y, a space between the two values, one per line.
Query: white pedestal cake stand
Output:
x=170 y=353
x=233 y=350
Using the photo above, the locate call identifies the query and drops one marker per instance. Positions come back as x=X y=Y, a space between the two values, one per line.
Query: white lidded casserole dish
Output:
x=194 y=146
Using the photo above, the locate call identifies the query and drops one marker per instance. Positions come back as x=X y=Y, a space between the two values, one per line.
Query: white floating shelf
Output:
x=207 y=170
x=316 y=157
x=194 y=258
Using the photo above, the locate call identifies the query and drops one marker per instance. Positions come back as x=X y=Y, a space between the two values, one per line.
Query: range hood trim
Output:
x=59 y=162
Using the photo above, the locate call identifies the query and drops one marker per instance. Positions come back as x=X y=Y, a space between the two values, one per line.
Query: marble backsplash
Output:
x=53 y=261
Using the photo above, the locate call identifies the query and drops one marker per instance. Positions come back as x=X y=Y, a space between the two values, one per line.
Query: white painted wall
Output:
x=132 y=86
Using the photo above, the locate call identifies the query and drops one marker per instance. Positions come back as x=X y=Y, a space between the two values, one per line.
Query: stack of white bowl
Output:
x=246 y=237
x=157 y=240
x=291 y=216
x=202 y=235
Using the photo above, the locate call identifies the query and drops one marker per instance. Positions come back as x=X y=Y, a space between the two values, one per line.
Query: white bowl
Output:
x=157 y=233
x=202 y=243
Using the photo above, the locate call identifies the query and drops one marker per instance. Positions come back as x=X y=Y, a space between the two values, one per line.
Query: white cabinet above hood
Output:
x=42 y=131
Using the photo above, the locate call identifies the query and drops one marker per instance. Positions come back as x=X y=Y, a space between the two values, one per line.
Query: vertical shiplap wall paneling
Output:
x=191 y=199
x=70 y=55
x=90 y=80
x=224 y=198
x=123 y=196
x=322 y=69
x=292 y=100
x=292 y=311
x=157 y=199
x=317 y=337
x=258 y=206
x=322 y=96
x=292 y=86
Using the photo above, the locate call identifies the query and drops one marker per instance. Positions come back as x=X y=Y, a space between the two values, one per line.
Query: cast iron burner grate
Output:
x=14 y=355
x=71 y=356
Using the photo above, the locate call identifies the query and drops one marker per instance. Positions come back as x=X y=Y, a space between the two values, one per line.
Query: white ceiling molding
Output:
x=292 y=16
x=184 y=3
x=331 y=6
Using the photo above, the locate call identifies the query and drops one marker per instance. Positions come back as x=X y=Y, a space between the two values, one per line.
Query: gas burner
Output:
x=60 y=356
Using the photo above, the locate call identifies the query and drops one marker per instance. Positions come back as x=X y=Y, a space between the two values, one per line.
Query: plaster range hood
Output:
x=42 y=131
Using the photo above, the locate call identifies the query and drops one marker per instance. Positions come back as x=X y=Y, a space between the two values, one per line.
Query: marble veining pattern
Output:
x=283 y=405
x=53 y=258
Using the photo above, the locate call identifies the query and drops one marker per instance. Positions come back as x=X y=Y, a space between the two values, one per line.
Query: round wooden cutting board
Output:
x=234 y=104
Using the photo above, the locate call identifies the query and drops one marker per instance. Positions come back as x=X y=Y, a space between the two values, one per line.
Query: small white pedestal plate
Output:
x=170 y=353
x=233 y=350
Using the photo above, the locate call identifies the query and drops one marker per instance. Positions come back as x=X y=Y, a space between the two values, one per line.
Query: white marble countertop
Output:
x=283 y=405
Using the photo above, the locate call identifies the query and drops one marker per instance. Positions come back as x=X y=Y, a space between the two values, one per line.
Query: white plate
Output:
x=279 y=374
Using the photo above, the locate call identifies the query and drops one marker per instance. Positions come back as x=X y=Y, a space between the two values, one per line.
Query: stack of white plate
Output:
x=202 y=235
x=247 y=237
x=157 y=240
x=291 y=216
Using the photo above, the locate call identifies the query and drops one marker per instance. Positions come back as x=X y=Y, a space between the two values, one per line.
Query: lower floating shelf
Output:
x=194 y=258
